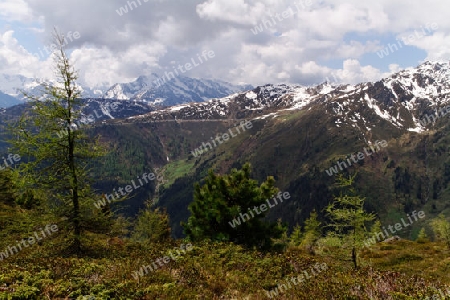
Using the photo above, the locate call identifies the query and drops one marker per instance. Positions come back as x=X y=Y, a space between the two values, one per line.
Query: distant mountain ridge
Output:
x=15 y=85
x=178 y=90
x=148 y=89
x=403 y=99
x=7 y=100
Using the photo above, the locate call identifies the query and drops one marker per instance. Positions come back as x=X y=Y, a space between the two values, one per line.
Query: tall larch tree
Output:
x=56 y=164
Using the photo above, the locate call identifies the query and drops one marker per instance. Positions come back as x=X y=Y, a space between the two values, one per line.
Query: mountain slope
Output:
x=297 y=134
x=300 y=132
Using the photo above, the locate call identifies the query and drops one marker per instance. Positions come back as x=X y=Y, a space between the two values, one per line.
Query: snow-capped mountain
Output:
x=178 y=90
x=15 y=85
x=403 y=99
x=253 y=103
x=151 y=89
x=105 y=109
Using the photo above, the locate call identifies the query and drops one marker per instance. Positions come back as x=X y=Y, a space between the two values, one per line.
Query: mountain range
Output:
x=301 y=132
x=178 y=90
x=16 y=85
x=146 y=89
x=298 y=133
x=401 y=99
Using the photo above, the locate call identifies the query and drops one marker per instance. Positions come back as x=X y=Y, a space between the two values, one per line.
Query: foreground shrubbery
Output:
x=211 y=271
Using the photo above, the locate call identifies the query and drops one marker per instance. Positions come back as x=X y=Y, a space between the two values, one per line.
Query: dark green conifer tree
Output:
x=222 y=199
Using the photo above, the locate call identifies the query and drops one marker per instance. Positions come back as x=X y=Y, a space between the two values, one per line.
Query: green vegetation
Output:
x=152 y=226
x=312 y=232
x=216 y=270
x=422 y=236
x=175 y=170
x=348 y=216
x=56 y=173
x=441 y=229
x=222 y=200
x=213 y=269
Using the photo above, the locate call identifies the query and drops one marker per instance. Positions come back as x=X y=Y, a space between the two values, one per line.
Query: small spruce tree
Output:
x=152 y=226
x=6 y=194
x=296 y=236
x=376 y=228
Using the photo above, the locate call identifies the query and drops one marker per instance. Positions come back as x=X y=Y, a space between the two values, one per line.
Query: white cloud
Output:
x=437 y=45
x=295 y=50
x=236 y=11
x=15 y=10
x=15 y=59
x=354 y=49
x=353 y=72
x=102 y=67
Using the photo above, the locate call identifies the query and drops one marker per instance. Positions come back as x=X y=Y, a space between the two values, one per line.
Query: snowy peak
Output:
x=175 y=91
x=249 y=104
x=402 y=99
x=427 y=80
x=15 y=85
x=131 y=90
x=412 y=93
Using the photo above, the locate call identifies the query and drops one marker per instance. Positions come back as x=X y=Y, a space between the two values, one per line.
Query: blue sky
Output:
x=324 y=38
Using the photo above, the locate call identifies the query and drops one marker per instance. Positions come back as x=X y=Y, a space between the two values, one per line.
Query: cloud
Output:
x=14 y=59
x=236 y=11
x=15 y=10
x=102 y=67
x=353 y=72
x=300 y=49
x=437 y=46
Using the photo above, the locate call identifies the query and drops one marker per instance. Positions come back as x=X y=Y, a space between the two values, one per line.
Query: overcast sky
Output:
x=300 y=41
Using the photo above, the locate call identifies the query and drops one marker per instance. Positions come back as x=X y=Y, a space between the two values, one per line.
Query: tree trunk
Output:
x=354 y=258
x=75 y=200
